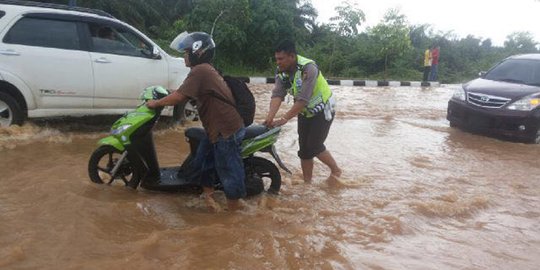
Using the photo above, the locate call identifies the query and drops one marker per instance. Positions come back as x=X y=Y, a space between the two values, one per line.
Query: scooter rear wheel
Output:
x=264 y=170
x=102 y=162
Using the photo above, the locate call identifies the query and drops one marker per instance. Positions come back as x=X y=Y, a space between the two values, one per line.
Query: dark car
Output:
x=502 y=102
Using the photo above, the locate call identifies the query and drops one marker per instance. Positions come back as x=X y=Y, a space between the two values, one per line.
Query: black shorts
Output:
x=312 y=133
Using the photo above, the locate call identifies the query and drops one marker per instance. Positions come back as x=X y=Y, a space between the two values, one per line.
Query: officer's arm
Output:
x=311 y=72
x=275 y=103
x=278 y=94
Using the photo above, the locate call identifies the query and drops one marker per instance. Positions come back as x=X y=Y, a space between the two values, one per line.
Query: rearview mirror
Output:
x=481 y=74
x=155 y=53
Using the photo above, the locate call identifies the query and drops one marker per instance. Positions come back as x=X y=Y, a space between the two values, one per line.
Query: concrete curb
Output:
x=369 y=83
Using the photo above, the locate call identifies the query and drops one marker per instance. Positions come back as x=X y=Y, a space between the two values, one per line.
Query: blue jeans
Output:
x=434 y=73
x=223 y=158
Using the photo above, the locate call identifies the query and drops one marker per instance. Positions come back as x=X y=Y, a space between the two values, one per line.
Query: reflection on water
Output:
x=417 y=195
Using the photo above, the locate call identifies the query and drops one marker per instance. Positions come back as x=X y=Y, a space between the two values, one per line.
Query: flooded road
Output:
x=418 y=195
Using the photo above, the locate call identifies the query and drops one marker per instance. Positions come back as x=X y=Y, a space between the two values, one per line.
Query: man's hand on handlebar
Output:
x=279 y=122
x=275 y=123
x=152 y=104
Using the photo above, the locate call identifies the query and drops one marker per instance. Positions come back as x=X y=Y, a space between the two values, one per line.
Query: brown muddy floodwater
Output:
x=419 y=195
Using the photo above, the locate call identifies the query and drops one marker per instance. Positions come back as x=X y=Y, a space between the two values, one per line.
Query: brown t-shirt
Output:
x=217 y=117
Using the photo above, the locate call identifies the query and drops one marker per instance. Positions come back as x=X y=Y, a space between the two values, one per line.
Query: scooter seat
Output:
x=198 y=133
x=254 y=131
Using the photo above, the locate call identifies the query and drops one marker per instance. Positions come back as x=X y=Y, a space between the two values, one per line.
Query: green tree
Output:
x=228 y=18
x=520 y=42
x=149 y=16
x=273 y=21
x=304 y=16
x=248 y=30
x=390 y=37
x=343 y=28
x=349 y=18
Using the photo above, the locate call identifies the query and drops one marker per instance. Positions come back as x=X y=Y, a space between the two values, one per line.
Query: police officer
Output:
x=313 y=104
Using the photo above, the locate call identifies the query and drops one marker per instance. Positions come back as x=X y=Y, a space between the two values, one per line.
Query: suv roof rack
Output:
x=56 y=6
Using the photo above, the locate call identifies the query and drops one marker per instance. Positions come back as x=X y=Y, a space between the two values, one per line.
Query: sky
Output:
x=494 y=19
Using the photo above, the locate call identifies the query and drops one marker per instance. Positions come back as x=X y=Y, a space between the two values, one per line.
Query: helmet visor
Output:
x=180 y=42
x=196 y=42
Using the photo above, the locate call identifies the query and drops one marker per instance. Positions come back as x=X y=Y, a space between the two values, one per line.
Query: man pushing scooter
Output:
x=220 y=150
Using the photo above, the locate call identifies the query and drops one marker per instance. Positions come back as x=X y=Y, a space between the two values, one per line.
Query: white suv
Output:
x=57 y=60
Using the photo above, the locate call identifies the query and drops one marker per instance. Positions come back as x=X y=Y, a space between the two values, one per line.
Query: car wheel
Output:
x=10 y=111
x=452 y=124
x=186 y=111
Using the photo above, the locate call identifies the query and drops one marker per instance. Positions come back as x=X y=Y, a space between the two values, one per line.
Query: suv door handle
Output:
x=9 y=52
x=102 y=60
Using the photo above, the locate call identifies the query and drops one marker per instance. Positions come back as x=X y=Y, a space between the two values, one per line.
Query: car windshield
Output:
x=523 y=71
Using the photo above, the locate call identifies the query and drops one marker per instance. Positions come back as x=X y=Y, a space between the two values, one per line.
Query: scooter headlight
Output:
x=120 y=129
x=528 y=103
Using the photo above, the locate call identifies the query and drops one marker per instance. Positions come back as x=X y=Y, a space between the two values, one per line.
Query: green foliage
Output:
x=149 y=16
x=246 y=32
x=520 y=42
x=231 y=18
x=348 y=20
x=391 y=38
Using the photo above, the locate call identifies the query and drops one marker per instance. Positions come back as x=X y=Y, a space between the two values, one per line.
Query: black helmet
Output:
x=201 y=46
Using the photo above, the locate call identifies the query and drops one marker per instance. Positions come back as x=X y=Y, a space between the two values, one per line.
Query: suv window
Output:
x=44 y=33
x=516 y=70
x=116 y=40
x=2 y=13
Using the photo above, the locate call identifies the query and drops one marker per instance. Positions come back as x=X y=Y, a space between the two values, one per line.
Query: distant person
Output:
x=313 y=104
x=427 y=64
x=434 y=63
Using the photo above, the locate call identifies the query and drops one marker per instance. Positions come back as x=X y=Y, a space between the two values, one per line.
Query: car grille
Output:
x=487 y=101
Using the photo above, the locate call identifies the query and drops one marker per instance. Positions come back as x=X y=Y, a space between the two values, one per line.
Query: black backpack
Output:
x=245 y=102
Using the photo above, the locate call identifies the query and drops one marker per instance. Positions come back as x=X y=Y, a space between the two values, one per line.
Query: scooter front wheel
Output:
x=104 y=160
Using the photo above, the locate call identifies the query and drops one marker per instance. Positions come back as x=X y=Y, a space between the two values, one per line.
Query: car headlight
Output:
x=459 y=94
x=525 y=104
x=120 y=129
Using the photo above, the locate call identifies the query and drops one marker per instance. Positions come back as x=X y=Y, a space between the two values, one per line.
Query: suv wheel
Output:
x=186 y=111
x=10 y=111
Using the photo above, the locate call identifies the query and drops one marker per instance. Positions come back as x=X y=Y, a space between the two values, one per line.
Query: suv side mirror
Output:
x=155 y=53
x=482 y=74
x=152 y=53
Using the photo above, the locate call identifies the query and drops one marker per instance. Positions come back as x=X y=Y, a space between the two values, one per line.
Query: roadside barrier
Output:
x=369 y=83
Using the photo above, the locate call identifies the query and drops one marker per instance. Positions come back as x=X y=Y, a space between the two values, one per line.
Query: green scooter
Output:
x=129 y=156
